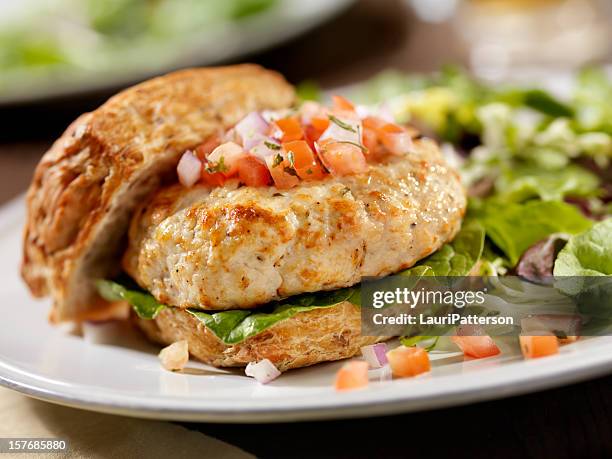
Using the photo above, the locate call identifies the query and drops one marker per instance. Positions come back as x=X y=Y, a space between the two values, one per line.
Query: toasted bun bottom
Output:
x=307 y=338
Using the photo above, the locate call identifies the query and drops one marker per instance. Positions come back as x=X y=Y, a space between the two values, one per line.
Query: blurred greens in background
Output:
x=506 y=130
x=43 y=38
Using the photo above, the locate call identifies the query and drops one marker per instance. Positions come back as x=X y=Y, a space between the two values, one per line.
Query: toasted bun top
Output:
x=87 y=185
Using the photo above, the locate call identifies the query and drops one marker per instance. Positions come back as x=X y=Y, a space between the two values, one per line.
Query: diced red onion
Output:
x=189 y=169
x=175 y=356
x=337 y=132
x=263 y=371
x=385 y=373
x=263 y=151
x=231 y=136
x=102 y=332
x=375 y=355
x=385 y=113
x=273 y=115
x=253 y=141
x=251 y=128
x=70 y=328
x=310 y=109
x=470 y=330
x=363 y=111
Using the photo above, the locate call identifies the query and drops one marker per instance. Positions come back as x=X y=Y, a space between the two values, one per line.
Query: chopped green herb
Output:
x=345 y=190
x=272 y=145
x=291 y=159
x=342 y=124
x=291 y=171
x=278 y=159
x=218 y=167
x=358 y=145
x=309 y=171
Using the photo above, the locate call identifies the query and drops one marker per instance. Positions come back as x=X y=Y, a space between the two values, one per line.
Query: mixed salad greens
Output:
x=41 y=40
x=535 y=164
x=538 y=171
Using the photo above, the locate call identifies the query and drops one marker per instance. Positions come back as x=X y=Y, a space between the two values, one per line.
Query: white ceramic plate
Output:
x=225 y=42
x=125 y=377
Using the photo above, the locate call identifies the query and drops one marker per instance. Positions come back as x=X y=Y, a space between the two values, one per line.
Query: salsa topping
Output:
x=285 y=147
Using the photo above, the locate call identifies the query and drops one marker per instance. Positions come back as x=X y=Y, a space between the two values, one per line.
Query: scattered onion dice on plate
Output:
x=263 y=371
x=375 y=355
x=175 y=356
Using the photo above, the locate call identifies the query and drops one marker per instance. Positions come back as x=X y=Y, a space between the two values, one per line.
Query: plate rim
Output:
x=352 y=407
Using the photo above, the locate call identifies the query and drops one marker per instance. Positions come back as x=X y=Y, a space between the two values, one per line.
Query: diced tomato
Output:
x=304 y=160
x=539 y=346
x=391 y=128
x=229 y=153
x=342 y=104
x=313 y=131
x=374 y=123
x=408 y=361
x=320 y=124
x=353 y=375
x=291 y=129
x=474 y=342
x=370 y=141
x=476 y=346
x=253 y=172
x=397 y=139
x=282 y=179
x=214 y=179
x=311 y=135
x=342 y=158
x=203 y=150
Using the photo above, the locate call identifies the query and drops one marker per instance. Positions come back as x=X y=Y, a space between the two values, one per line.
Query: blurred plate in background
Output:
x=68 y=47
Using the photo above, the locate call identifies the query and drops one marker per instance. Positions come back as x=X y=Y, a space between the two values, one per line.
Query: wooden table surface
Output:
x=573 y=421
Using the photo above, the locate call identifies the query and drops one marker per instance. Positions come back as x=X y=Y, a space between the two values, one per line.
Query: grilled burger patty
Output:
x=239 y=247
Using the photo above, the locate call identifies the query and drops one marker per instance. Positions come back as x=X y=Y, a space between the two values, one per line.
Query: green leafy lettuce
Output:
x=144 y=304
x=522 y=183
x=587 y=254
x=514 y=227
x=583 y=269
x=456 y=258
x=234 y=326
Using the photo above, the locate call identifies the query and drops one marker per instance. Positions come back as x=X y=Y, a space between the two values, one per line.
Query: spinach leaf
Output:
x=456 y=258
x=231 y=327
x=144 y=304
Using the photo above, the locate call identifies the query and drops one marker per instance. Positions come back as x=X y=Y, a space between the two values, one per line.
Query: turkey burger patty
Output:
x=232 y=247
